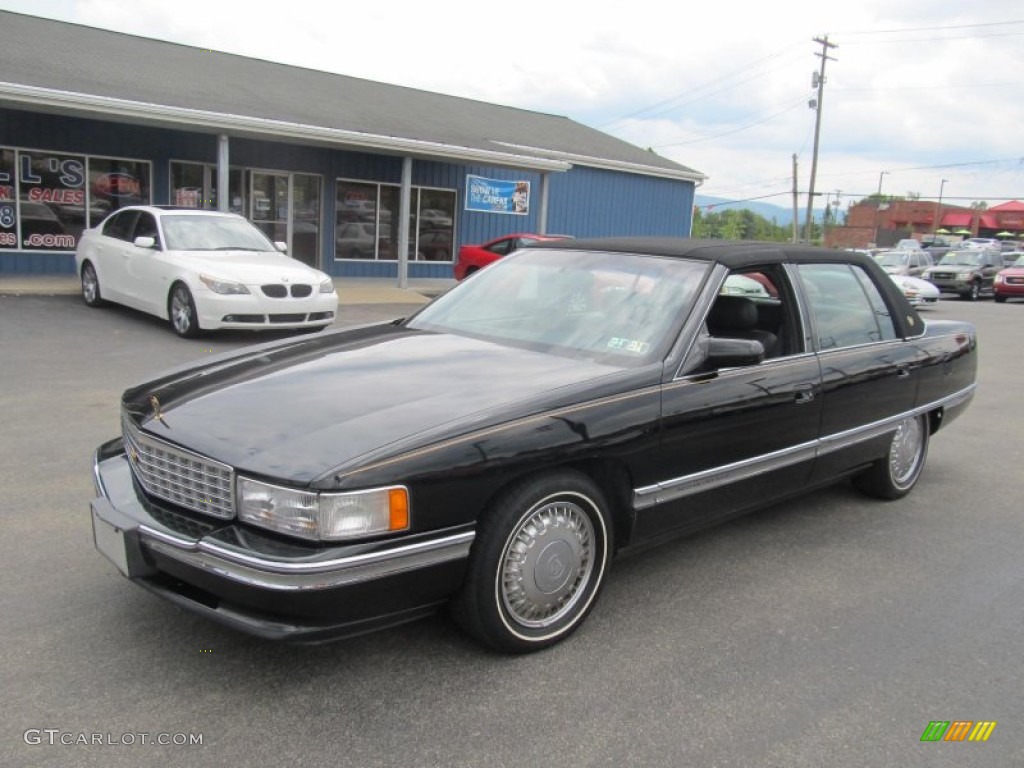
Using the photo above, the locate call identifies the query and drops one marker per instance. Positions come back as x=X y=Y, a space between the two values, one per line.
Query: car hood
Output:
x=303 y=409
x=250 y=267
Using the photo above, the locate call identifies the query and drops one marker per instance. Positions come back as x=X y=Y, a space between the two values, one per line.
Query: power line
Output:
x=734 y=130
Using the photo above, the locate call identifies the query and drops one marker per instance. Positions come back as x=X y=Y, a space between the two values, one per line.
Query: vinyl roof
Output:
x=74 y=69
x=732 y=253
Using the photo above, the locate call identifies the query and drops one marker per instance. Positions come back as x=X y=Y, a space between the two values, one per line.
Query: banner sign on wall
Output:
x=497 y=195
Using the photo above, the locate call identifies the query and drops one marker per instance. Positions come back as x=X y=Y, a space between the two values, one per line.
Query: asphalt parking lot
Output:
x=828 y=631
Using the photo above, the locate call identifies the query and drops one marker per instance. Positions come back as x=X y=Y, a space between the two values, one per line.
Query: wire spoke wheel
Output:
x=905 y=454
x=895 y=475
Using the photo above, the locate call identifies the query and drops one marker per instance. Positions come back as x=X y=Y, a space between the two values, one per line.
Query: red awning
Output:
x=988 y=222
x=953 y=219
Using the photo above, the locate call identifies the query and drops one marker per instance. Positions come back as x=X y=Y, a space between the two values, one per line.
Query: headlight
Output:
x=965 y=276
x=999 y=278
x=327 y=286
x=222 y=286
x=323 y=516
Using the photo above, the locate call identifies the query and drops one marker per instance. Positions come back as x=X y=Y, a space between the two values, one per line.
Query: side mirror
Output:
x=281 y=246
x=145 y=242
x=734 y=353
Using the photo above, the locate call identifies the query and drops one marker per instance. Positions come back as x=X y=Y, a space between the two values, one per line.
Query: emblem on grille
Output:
x=157 y=413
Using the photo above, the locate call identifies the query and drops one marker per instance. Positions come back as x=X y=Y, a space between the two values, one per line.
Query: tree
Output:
x=979 y=205
x=736 y=224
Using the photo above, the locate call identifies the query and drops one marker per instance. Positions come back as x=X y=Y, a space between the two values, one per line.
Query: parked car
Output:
x=920 y=293
x=494 y=451
x=980 y=242
x=200 y=270
x=1010 y=257
x=1009 y=283
x=936 y=246
x=968 y=272
x=473 y=257
x=907 y=262
x=907 y=244
x=359 y=240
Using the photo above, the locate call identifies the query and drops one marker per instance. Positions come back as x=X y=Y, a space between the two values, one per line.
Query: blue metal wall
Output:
x=582 y=201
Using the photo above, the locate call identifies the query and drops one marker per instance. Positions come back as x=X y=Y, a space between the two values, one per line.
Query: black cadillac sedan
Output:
x=493 y=452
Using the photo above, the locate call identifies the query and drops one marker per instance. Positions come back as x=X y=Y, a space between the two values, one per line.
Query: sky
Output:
x=921 y=97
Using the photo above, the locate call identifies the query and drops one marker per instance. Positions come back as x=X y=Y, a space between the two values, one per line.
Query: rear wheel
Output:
x=181 y=310
x=537 y=565
x=91 y=286
x=895 y=475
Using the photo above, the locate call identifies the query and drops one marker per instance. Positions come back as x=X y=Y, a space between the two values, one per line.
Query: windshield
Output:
x=623 y=309
x=962 y=258
x=213 y=233
x=893 y=259
x=1020 y=261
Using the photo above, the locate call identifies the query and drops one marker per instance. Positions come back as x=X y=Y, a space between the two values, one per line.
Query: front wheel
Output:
x=182 y=312
x=895 y=475
x=999 y=298
x=538 y=563
x=975 y=291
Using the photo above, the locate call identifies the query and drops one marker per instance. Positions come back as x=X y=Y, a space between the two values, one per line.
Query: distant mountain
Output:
x=781 y=215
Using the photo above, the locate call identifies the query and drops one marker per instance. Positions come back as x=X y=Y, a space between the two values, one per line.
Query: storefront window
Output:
x=435 y=230
x=59 y=195
x=194 y=185
x=355 y=231
x=8 y=203
x=188 y=186
x=51 y=204
x=114 y=184
x=367 y=222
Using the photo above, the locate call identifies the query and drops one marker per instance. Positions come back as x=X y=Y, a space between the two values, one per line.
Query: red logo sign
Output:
x=117 y=185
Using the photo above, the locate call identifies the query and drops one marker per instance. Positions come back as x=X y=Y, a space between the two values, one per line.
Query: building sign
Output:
x=47 y=198
x=497 y=195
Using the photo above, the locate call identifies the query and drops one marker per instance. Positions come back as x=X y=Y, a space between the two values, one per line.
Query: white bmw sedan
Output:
x=200 y=270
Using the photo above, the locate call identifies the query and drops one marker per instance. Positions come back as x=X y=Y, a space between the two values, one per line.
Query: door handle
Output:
x=902 y=371
x=804 y=396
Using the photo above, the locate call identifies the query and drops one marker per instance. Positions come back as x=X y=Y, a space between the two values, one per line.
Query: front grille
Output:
x=300 y=291
x=942 y=275
x=275 y=291
x=287 y=318
x=1015 y=280
x=179 y=476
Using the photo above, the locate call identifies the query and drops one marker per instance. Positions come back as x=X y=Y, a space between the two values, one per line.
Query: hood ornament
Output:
x=157 y=412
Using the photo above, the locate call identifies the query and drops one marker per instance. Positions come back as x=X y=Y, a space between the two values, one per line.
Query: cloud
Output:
x=925 y=89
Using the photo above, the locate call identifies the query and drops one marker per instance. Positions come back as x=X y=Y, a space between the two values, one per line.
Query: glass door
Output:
x=269 y=204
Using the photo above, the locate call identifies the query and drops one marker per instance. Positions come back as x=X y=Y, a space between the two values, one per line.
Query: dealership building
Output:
x=92 y=120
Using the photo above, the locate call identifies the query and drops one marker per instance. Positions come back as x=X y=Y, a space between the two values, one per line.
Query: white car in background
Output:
x=200 y=270
x=918 y=292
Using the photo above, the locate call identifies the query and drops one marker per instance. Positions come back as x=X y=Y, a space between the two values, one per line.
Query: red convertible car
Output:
x=473 y=257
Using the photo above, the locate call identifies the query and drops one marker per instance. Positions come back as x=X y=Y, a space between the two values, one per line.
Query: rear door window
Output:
x=846 y=306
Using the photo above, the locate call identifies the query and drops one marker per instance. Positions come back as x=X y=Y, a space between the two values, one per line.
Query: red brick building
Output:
x=869 y=224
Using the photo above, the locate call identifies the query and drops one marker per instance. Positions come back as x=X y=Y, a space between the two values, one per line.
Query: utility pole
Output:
x=818 y=80
x=796 y=203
